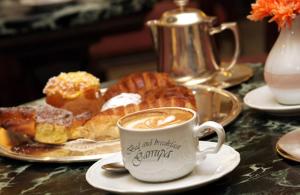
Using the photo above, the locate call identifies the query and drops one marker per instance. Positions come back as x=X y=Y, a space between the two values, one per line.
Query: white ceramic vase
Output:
x=282 y=69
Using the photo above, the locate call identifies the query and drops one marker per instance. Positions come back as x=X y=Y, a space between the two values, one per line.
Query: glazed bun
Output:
x=77 y=92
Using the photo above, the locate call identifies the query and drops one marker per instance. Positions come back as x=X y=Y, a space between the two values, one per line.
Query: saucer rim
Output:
x=245 y=68
x=282 y=150
x=235 y=161
x=280 y=109
x=284 y=154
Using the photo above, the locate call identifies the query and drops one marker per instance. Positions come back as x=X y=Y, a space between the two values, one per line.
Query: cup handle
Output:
x=233 y=27
x=208 y=126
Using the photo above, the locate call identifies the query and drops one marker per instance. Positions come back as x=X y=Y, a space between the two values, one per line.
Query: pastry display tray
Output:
x=212 y=104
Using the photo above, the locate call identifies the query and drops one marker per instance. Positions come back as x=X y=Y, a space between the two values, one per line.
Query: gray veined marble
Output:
x=42 y=180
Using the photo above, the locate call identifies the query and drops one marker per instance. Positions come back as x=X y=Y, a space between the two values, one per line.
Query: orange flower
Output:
x=280 y=11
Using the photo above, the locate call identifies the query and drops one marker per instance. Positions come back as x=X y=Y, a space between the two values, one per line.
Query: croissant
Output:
x=176 y=96
x=139 y=83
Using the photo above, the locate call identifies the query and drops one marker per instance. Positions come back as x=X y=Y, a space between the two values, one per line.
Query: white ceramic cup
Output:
x=166 y=153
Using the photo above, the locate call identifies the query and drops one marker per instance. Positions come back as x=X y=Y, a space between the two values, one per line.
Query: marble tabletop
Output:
x=253 y=134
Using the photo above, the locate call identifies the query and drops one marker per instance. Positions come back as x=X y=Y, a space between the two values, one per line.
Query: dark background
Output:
x=109 y=46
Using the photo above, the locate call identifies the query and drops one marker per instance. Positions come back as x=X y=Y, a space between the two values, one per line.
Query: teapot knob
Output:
x=181 y=3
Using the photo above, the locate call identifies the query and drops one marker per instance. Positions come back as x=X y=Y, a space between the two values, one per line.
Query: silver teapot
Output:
x=185 y=46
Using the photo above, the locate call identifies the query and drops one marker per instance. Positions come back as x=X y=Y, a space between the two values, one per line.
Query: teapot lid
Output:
x=184 y=16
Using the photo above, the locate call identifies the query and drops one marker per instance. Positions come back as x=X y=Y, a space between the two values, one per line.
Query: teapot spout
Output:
x=152 y=24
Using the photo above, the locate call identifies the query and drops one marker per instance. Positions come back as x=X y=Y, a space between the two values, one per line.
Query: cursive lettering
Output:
x=155 y=155
x=133 y=148
x=171 y=144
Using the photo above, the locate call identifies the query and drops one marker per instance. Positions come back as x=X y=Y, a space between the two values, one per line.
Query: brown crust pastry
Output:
x=139 y=83
x=77 y=92
x=47 y=124
x=44 y=124
x=18 y=119
x=156 y=90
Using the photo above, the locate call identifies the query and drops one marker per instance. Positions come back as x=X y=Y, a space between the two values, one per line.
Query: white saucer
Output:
x=212 y=168
x=288 y=145
x=262 y=99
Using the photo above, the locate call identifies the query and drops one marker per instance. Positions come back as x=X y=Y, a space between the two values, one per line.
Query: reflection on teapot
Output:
x=185 y=46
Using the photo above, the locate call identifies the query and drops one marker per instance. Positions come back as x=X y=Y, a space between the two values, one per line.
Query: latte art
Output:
x=156 y=119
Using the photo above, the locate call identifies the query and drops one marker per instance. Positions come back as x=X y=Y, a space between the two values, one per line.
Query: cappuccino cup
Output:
x=161 y=144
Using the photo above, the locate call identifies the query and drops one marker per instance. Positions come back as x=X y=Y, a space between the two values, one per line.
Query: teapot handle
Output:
x=233 y=27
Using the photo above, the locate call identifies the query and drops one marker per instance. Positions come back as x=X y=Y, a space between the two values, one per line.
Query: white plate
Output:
x=262 y=99
x=212 y=168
